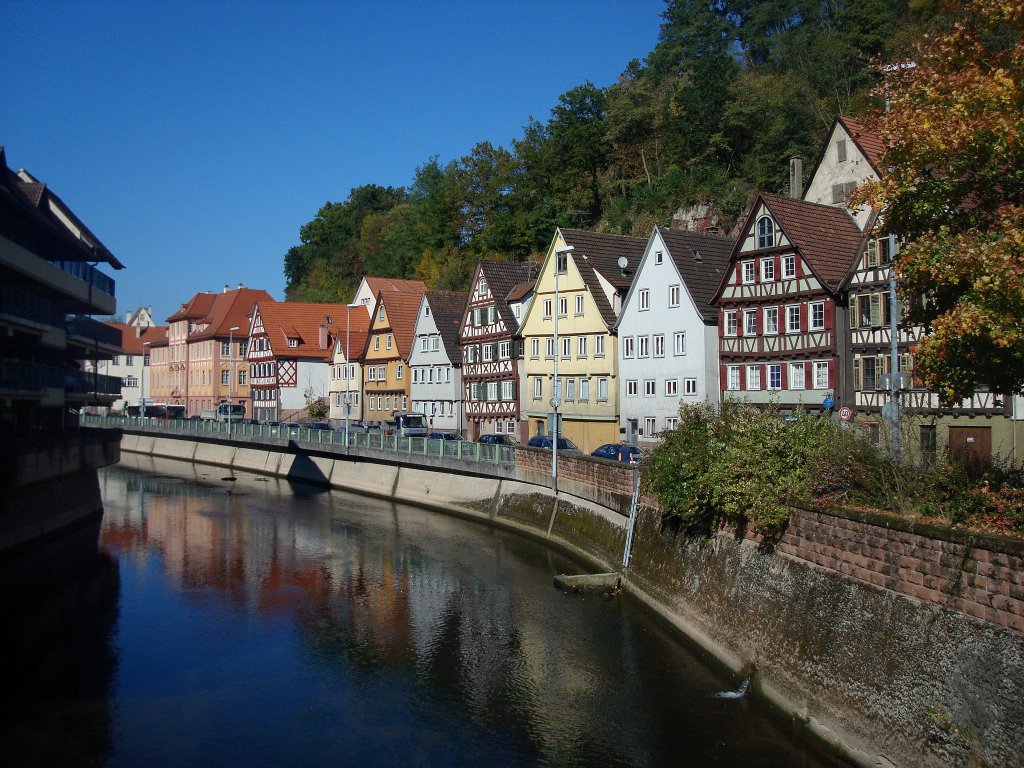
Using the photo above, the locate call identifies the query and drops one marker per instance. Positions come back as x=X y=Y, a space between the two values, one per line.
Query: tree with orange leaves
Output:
x=953 y=191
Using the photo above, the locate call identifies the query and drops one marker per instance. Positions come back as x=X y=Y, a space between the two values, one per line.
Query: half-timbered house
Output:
x=436 y=360
x=492 y=372
x=289 y=355
x=386 y=354
x=781 y=312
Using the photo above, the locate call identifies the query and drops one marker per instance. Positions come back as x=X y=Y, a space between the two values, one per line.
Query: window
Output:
x=380 y=315
x=650 y=387
x=671 y=387
x=387 y=342
x=673 y=295
x=680 y=342
x=504 y=350
x=562 y=263
x=241 y=378
x=599 y=345
x=424 y=344
x=547 y=309
x=796 y=375
x=788 y=267
x=549 y=347
x=563 y=306
x=506 y=390
x=650 y=426
x=581 y=346
x=534 y=348
x=749 y=272
x=733 y=372
x=928 y=444
x=644 y=299
x=116 y=360
x=538 y=388
x=753 y=377
x=793 y=318
x=570 y=389
x=821 y=375
x=658 y=257
x=225 y=378
x=584 y=390
x=767 y=270
x=488 y=352
x=398 y=371
x=631 y=388
x=225 y=349
x=689 y=386
x=730 y=322
x=841 y=191
x=868 y=374
x=775 y=376
x=841 y=151
x=765 y=232
x=643 y=346
x=376 y=343
x=627 y=347
x=566 y=347
x=659 y=345
x=750 y=322
x=602 y=389
x=510 y=426
x=435 y=344
x=492 y=391
x=771 y=320
x=817 y=315
x=579 y=304
x=871 y=254
x=671 y=422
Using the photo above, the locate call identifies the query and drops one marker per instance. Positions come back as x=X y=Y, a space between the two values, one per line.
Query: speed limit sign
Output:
x=845 y=413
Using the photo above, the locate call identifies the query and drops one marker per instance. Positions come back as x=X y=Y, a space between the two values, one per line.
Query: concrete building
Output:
x=435 y=361
x=668 y=331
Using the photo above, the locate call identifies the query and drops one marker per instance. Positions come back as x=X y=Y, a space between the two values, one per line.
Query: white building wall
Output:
x=315 y=374
x=340 y=383
x=832 y=171
x=698 y=363
x=435 y=388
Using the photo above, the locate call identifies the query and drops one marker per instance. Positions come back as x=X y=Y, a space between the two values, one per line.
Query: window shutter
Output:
x=784 y=381
x=803 y=317
x=721 y=323
x=723 y=378
x=760 y=321
x=741 y=322
x=798 y=266
x=876 y=309
x=764 y=375
x=832 y=374
x=858 y=375
x=743 y=378
x=778 y=267
x=830 y=310
x=808 y=375
x=854 y=314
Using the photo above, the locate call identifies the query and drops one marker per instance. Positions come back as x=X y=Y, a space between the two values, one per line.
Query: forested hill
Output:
x=732 y=89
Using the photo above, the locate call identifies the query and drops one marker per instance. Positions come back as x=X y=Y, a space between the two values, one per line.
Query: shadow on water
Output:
x=58 y=609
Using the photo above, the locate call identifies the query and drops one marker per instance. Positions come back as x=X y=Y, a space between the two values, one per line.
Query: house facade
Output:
x=346 y=384
x=781 y=312
x=668 y=331
x=385 y=357
x=369 y=287
x=435 y=361
x=133 y=365
x=289 y=355
x=591 y=287
x=492 y=370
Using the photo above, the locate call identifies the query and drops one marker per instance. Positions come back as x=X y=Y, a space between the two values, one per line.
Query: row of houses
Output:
x=793 y=308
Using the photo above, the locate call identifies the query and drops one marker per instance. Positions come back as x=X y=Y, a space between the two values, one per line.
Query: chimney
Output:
x=225 y=287
x=239 y=286
x=323 y=336
x=138 y=331
x=796 y=177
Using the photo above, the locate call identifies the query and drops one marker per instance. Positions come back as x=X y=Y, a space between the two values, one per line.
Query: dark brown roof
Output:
x=229 y=310
x=502 y=277
x=521 y=291
x=866 y=139
x=702 y=277
x=827 y=237
x=597 y=253
x=448 y=308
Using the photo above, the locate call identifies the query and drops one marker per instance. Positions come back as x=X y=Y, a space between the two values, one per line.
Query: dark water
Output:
x=259 y=623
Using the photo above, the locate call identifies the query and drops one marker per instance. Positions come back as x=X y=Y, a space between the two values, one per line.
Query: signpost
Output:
x=845 y=413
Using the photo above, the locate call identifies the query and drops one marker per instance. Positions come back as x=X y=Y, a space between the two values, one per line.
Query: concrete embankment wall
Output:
x=897 y=646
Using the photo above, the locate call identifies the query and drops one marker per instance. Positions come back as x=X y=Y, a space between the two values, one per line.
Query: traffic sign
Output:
x=845 y=413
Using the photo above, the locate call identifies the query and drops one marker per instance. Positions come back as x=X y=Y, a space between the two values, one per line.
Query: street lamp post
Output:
x=142 y=381
x=231 y=372
x=348 y=368
x=556 y=392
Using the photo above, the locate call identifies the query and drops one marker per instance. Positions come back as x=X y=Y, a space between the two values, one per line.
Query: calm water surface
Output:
x=258 y=622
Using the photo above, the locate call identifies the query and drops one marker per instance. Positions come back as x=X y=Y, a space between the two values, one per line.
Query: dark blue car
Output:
x=618 y=452
x=498 y=440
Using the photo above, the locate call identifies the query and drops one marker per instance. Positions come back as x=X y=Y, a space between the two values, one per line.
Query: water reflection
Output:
x=259 y=625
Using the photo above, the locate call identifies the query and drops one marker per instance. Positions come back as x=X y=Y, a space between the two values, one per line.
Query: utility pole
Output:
x=556 y=394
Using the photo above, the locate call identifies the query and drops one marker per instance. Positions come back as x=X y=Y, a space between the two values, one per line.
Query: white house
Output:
x=668 y=332
x=849 y=158
x=369 y=287
x=346 y=381
x=137 y=334
x=436 y=360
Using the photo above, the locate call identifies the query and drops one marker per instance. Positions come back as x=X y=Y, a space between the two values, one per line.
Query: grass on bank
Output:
x=742 y=466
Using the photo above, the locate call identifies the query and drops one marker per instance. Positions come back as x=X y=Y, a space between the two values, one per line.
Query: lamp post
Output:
x=142 y=381
x=231 y=372
x=348 y=369
x=556 y=392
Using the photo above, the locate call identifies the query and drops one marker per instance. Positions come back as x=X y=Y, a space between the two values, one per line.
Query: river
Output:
x=257 y=622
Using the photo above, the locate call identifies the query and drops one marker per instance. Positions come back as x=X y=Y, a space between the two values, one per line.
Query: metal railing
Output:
x=26 y=305
x=89 y=328
x=33 y=377
x=392 y=445
x=85 y=272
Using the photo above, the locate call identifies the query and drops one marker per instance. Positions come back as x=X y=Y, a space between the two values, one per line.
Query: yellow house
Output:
x=385 y=358
x=591 y=288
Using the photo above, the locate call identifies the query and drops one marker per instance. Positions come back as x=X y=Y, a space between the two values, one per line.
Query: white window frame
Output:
x=599 y=345
x=732 y=377
x=673 y=295
x=754 y=377
x=671 y=387
x=816 y=316
x=774 y=370
x=643 y=299
x=797 y=376
x=690 y=386
x=820 y=372
x=788 y=267
x=792 y=327
x=643 y=346
x=627 y=347
x=632 y=387
x=679 y=343
x=581 y=346
x=659 y=344
x=750 y=322
x=749 y=272
x=731 y=321
x=767 y=270
x=547 y=309
x=650 y=387
x=771 y=321
x=579 y=303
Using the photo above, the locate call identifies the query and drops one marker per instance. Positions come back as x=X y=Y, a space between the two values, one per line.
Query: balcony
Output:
x=34 y=378
x=25 y=305
x=88 y=274
x=95 y=332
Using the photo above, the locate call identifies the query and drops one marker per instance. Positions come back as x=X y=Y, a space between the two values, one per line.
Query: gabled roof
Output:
x=402 y=310
x=229 y=310
x=595 y=253
x=827 y=237
x=356 y=337
x=378 y=284
x=521 y=291
x=151 y=335
x=702 y=277
x=866 y=139
x=502 y=277
x=195 y=308
x=284 y=320
x=448 y=307
x=37 y=203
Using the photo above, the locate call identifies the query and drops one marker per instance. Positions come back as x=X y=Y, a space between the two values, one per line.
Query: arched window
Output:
x=765 y=232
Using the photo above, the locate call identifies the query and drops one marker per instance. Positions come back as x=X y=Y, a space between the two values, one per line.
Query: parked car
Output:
x=619 y=452
x=195 y=417
x=319 y=425
x=444 y=436
x=565 y=445
x=248 y=421
x=498 y=440
x=286 y=429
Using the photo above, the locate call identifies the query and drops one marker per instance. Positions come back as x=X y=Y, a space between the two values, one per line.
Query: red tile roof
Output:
x=195 y=308
x=401 y=310
x=378 y=284
x=866 y=139
x=284 y=320
x=131 y=344
x=231 y=309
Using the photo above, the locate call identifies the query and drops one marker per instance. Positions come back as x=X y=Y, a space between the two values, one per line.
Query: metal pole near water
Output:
x=634 y=506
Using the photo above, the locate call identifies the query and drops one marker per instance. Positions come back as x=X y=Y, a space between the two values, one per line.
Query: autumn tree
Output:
x=954 y=191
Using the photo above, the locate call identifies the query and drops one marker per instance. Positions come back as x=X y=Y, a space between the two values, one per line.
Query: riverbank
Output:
x=885 y=677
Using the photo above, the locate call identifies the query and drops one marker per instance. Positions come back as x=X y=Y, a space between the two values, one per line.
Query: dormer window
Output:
x=765 y=232
x=293 y=343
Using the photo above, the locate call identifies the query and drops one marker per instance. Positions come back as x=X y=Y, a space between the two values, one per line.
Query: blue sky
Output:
x=196 y=138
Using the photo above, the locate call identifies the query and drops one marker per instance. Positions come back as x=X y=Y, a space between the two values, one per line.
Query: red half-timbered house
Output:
x=492 y=370
x=781 y=311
